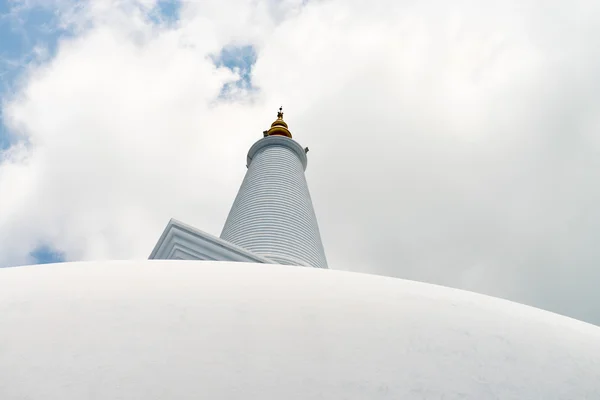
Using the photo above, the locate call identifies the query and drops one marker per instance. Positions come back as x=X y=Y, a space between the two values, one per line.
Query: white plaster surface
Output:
x=225 y=330
x=183 y=242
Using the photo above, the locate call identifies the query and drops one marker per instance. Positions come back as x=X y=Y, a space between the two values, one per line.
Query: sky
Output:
x=455 y=143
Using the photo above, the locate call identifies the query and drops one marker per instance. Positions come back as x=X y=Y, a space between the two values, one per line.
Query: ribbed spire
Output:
x=272 y=214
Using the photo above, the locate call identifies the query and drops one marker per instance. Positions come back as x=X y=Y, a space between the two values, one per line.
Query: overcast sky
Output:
x=455 y=143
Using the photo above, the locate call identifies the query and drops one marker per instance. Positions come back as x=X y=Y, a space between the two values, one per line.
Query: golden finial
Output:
x=279 y=127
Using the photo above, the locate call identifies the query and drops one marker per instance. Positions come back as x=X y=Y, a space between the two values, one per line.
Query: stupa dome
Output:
x=223 y=330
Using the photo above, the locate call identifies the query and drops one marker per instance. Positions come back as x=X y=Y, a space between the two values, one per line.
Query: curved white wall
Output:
x=272 y=214
x=155 y=330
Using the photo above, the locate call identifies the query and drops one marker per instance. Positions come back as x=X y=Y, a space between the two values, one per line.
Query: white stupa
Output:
x=240 y=329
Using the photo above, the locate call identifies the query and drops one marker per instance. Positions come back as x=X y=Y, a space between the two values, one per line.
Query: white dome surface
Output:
x=219 y=330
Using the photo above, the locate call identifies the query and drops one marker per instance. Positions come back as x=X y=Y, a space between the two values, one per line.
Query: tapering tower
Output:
x=272 y=215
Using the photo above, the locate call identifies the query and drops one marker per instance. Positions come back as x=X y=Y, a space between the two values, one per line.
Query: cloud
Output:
x=450 y=143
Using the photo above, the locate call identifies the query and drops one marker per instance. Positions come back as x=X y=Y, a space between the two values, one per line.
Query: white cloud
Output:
x=455 y=141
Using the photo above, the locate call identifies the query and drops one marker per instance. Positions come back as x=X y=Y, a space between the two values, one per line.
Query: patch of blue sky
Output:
x=21 y=33
x=26 y=34
x=5 y=141
x=166 y=12
x=47 y=255
x=239 y=59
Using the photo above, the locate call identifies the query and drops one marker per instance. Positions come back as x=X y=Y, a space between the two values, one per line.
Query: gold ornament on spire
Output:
x=279 y=127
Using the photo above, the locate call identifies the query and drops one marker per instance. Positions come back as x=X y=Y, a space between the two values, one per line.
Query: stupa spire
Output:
x=272 y=215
